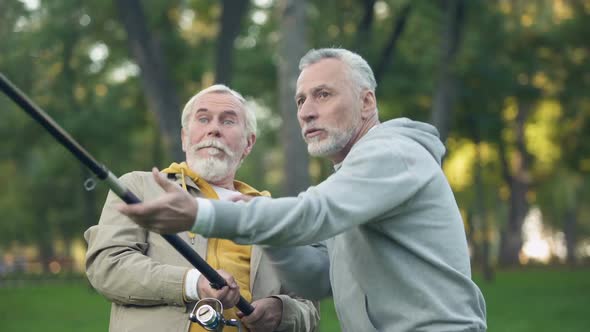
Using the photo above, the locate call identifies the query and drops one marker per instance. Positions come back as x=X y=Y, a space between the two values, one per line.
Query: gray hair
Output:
x=360 y=72
x=249 y=112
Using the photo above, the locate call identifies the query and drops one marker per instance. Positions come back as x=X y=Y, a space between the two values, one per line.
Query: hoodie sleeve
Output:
x=381 y=173
x=303 y=270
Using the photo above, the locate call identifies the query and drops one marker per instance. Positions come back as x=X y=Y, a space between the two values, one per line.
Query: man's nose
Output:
x=307 y=112
x=213 y=129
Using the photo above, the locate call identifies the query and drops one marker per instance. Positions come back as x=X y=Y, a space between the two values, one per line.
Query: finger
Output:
x=235 y=297
x=221 y=294
x=228 y=299
x=132 y=210
x=122 y=208
x=253 y=318
x=231 y=297
x=231 y=282
x=163 y=182
x=142 y=209
x=237 y=198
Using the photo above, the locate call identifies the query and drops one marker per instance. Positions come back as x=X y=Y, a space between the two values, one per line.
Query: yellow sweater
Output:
x=221 y=253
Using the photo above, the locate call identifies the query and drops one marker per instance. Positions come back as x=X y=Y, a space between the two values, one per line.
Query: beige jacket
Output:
x=143 y=275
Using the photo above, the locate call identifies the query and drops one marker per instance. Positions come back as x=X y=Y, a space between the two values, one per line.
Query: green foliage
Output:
x=74 y=60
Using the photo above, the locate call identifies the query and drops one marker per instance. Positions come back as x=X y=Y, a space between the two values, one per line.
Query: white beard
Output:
x=336 y=139
x=212 y=168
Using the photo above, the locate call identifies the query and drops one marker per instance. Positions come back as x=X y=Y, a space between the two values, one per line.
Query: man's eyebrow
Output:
x=229 y=112
x=314 y=89
x=226 y=112
x=320 y=87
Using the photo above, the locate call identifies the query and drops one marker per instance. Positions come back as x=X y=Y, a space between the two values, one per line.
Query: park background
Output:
x=505 y=82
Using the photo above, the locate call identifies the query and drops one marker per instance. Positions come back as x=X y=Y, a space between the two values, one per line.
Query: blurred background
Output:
x=505 y=82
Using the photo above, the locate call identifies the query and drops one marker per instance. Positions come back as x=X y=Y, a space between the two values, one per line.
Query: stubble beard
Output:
x=335 y=141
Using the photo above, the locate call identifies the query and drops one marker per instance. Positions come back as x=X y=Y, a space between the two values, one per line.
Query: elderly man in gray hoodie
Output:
x=397 y=248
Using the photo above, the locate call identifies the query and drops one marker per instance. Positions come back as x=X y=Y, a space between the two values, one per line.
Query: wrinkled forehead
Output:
x=218 y=101
x=326 y=72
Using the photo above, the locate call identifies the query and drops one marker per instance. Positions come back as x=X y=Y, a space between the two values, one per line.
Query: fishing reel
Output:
x=208 y=313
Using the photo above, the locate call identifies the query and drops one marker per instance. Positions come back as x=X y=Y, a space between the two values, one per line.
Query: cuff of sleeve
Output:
x=184 y=287
x=205 y=213
x=171 y=290
x=190 y=285
x=287 y=318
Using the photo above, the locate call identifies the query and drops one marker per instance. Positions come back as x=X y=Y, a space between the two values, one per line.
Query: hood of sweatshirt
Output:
x=420 y=132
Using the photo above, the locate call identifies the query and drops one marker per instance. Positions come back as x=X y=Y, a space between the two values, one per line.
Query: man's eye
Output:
x=323 y=94
x=228 y=122
x=203 y=120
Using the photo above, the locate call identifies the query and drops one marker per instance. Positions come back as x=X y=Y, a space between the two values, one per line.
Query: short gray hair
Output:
x=360 y=72
x=249 y=112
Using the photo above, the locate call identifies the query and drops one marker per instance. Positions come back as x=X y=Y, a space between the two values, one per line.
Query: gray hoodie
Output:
x=396 y=244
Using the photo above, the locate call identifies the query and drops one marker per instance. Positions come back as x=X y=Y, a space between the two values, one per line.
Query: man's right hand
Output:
x=172 y=212
x=228 y=295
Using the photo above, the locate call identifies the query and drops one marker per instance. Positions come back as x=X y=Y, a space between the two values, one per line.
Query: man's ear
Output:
x=250 y=140
x=369 y=104
x=183 y=139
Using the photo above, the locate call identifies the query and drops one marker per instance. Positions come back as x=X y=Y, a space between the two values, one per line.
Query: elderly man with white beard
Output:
x=151 y=286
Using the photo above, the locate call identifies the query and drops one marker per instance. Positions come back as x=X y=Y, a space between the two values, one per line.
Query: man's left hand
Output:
x=172 y=212
x=266 y=316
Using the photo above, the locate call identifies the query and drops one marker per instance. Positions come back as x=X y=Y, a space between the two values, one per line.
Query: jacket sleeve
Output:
x=303 y=270
x=117 y=264
x=299 y=315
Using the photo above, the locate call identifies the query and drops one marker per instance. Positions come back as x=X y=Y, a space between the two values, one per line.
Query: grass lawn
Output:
x=518 y=301
x=52 y=307
x=538 y=300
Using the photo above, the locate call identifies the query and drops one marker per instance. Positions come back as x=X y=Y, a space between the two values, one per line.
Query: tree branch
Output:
x=400 y=24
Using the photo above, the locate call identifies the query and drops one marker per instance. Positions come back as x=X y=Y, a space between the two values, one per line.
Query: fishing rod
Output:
x=104 y=174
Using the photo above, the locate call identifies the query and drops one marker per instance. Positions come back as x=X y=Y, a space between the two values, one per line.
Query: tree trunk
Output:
x=471 y=234
x=231 y=18
x=482 y=215
x=388 y=50
x=44 y=240
x=155 y=76
x=291 y=49
x=363 y=36
x=511 y=239
x=569 y=230
x=570 y=227
x=445 y=93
